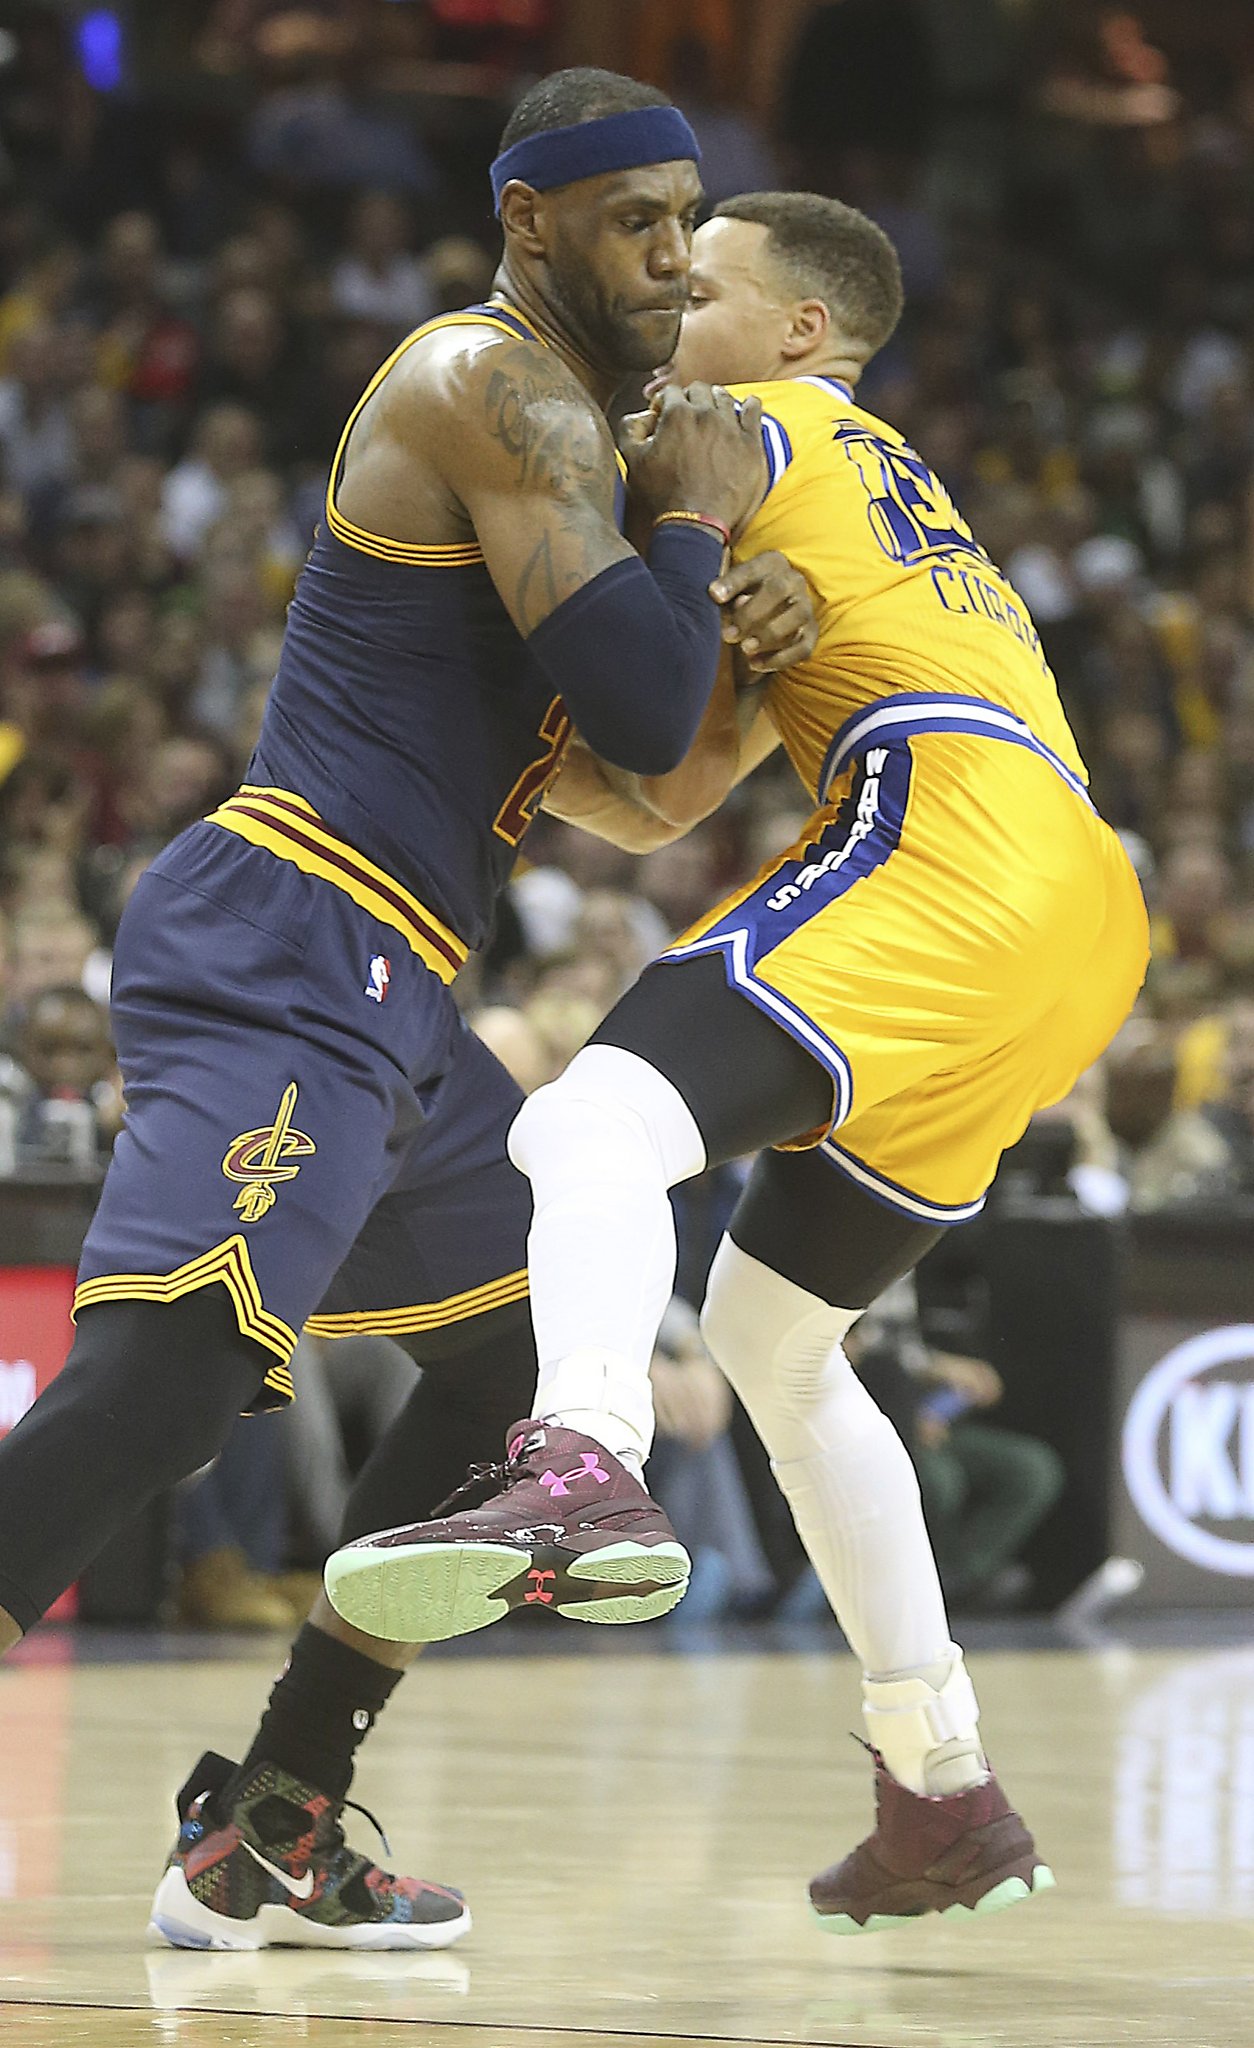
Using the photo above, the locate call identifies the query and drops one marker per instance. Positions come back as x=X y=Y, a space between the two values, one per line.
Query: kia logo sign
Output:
x=1188 y=1448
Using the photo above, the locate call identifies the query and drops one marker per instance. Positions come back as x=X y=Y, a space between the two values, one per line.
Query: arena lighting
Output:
x=100 y=43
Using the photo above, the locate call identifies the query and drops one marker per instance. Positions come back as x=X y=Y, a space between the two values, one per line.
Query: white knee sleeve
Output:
x=855 y=1499
x=638 y=1114
x=602 y=1147
x=779 y=1346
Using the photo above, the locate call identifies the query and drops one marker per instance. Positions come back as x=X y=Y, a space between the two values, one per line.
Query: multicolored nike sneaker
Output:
x=968 y=1853
x=564 y=1528
x=264 y=1864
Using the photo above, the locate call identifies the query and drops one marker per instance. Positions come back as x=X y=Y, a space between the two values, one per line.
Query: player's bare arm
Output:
x=533 y=464
x=640 y=813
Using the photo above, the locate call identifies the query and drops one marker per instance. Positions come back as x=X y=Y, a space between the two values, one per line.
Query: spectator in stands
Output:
x=321 y=131
x=621 y=931
x=70 y=1109
x=252 y=361
x=735 y=155
x=43 y=693
x=1195 y=889
x=144 y=348
x=459 y=273
x=1229 y=1120
x=36 y=438
x=238 y=647
x=379 y=278
x=1165 y=1153
x=184 y=777
x=52 y=945
x=985 y=1489
x=350 y=1392
x=225 y=445
x=681 y=880
x=231 y=1532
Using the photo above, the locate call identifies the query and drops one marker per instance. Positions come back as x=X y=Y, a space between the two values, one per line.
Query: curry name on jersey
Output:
x=907 y=599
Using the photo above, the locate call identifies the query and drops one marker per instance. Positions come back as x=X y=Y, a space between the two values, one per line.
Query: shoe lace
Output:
x=335 y=1833
x=495 y=1478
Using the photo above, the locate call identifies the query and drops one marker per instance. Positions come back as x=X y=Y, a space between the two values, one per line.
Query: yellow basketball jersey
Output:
x=908 y=601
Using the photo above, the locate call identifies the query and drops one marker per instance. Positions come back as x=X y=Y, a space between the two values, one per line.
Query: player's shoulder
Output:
x=812 y=401
x=479 y=396
x=801 y=416
x=482 y=350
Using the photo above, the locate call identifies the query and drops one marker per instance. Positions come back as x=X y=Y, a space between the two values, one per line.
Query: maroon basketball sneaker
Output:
x=562 y=1526
x=969 y=1853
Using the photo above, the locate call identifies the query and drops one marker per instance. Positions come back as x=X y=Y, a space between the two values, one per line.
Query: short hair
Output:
x=832 y=252
x=566 y=98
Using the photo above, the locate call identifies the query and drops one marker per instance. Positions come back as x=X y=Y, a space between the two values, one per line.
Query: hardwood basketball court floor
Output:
x=634 y=1832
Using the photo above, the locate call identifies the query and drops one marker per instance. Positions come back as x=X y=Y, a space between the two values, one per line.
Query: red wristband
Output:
x=696 y=519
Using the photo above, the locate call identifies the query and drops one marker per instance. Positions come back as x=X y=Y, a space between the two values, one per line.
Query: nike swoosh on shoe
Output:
x=301 y=1888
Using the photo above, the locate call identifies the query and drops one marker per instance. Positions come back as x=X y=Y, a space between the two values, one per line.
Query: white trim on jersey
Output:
x=778 y=450
x=828 y=384
x=734 y=946
x=965 y=714
x=898 y=1198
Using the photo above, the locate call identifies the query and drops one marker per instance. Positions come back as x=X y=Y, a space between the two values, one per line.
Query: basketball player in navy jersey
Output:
x=312 y=1136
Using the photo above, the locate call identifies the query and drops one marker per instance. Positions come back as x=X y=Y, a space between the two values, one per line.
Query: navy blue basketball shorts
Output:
x=308 y=1122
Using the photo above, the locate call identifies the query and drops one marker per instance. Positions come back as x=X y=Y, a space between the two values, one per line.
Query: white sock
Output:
x=602 y=1147
x=854 y=1496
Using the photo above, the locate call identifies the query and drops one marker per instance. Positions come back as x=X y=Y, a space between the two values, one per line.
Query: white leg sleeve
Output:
x=602 y=1146
x=852 y=1489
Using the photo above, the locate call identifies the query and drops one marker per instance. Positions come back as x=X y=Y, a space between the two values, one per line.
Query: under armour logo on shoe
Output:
x=538 y=1593
x=589 y=1467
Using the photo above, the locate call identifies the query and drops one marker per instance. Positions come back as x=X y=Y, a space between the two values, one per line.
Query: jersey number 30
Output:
x=519 y=808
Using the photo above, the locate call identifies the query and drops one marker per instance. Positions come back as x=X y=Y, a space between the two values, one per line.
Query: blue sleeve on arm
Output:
x=635 y=652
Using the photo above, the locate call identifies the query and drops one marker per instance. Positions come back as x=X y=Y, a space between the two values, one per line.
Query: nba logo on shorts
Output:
x=380 y=976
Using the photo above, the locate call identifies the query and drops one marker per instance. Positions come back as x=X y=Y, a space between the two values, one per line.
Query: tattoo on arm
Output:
x=559 y=446
x=537 y=593
x=560 y=450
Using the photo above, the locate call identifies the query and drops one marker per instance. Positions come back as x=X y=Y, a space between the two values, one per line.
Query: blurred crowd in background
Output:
x=215 y=220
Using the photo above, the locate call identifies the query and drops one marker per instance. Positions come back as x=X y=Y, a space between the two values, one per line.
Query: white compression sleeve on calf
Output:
x=602 y=1147
x=854 y=1496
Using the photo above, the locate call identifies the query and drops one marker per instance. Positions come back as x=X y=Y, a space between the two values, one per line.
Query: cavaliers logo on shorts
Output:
x=260 y=1158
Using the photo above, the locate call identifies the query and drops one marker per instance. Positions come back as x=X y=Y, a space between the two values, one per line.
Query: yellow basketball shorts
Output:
x=956 y=937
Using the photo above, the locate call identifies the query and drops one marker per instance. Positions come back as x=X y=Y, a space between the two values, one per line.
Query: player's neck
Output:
x=601 y=384
x=843 y=368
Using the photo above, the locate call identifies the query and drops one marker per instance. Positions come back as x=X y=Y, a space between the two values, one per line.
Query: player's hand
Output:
x=974 y=1377
x=767 y=612
x=691 y=1400
x=697 y=451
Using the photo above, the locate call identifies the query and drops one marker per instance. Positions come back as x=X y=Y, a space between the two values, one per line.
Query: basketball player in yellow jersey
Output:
x=952 y=942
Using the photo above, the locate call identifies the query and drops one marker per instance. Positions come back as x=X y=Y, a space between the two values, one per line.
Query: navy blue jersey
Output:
x=407 y=710
x=309 y=1123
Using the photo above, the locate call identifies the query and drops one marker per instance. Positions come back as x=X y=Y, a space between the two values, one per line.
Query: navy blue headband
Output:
x=617 y=142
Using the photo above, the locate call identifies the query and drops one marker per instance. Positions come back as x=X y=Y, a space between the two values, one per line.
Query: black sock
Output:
x=323 y=1705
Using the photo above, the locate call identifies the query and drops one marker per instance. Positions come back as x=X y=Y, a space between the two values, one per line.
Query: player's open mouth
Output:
x=659 y=380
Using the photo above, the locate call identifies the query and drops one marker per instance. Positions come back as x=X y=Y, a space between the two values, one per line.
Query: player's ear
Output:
x=522 y=217
x=808 y=323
